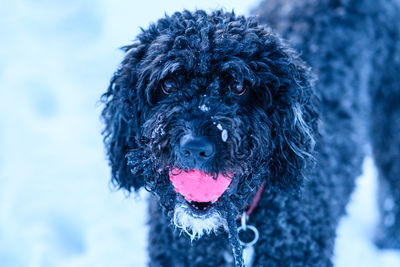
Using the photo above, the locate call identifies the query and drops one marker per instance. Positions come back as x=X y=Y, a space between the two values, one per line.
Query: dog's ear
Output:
x=121 y=115
x=294 y=120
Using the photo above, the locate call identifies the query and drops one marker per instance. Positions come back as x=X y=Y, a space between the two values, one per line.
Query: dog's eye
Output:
x=168 y=85
x=238 y=88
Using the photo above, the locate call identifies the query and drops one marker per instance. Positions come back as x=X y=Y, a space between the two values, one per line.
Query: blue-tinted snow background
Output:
x=57 y=207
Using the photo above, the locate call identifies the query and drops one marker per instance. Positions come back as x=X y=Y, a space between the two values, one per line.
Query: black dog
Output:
x=208 y=111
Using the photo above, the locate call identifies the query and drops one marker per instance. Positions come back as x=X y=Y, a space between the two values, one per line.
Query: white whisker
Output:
x=195 y=226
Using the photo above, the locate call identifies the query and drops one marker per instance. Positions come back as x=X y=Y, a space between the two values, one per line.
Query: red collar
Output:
x=254 y=203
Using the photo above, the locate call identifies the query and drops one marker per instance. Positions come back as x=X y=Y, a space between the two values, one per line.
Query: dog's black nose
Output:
x=198 y=149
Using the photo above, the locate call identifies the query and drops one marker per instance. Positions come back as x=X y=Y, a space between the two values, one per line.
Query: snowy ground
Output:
x=56 y=206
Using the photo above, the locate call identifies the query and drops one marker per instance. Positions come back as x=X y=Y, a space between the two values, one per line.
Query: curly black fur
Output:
x=272 y=128
x=354 y=47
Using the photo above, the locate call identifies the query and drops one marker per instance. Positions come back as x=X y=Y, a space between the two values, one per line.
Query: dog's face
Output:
x=203 y=110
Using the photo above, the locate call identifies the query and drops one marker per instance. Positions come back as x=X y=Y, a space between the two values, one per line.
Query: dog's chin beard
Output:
x=196 y=225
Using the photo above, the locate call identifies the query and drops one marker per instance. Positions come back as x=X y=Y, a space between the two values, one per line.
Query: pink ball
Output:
x=198 y=186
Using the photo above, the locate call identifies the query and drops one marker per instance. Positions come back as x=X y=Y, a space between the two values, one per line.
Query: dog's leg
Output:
x=385 y=135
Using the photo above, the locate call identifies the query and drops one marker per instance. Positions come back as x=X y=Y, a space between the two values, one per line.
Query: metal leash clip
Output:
x=248 y=247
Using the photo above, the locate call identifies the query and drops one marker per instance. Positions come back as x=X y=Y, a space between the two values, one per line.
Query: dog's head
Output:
x=203 y=110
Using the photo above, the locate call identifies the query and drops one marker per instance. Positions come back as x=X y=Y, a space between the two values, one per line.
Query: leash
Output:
x=244 y=253
x=237 y=248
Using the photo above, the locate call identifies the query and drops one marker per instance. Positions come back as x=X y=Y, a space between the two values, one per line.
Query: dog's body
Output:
x=228 y=88
x=354 y=48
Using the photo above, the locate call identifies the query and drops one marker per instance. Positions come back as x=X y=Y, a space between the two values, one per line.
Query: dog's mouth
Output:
x=200 y=206
x=199 y=189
